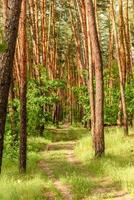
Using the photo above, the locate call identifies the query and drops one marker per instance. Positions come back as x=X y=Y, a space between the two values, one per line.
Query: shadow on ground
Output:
x=87 y=181
x=56 y=135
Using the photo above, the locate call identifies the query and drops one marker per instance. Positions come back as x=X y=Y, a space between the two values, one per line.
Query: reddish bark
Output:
x=6 y=66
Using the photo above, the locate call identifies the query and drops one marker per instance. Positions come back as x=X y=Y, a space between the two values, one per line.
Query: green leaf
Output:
x=3 y=47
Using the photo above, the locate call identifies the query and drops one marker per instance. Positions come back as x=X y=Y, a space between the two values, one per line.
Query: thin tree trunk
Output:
x=128 y=42
x=122 y=86
x=23 y=90
x=90 y=84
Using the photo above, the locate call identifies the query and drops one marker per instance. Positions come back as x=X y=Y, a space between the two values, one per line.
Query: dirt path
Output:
x=62 y=188
x=105 y=188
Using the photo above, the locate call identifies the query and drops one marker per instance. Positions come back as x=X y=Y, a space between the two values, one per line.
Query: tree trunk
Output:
x=6 y=66
x=5 y=12
x=23 y=90
x=90 y=82
x=122 y=85
x=99 y=144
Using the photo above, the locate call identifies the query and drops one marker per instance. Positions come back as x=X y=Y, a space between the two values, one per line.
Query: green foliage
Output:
x=11 y=146
x=111 y=106
x=11 y=136
x=130 y=99
x=112 y=95
x=3 y=47
x=83 y=99
x=111 y=99
x=41 y=95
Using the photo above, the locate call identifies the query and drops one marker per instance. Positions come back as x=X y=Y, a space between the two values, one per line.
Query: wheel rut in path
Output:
x=64 y=189
x=105 y=188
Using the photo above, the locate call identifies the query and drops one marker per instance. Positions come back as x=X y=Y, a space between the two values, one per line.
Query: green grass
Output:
x=69 y=134
x=82 y=178
x=76 y=176
x=34 y=185
x=73 y=175
x=118 y=162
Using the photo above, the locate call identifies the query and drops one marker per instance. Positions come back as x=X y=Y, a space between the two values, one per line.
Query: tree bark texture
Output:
x=99 y=144
x=6 y=65
x=23 y=89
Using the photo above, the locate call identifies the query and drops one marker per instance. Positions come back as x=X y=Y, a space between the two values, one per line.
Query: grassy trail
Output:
x=61 y=166
x=72 y=177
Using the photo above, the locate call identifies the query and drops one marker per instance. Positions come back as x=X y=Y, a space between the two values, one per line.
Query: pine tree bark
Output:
x=91 y=79
x=5 y=12
x=23 y=90
x=128 y=42
x=122 y=83
x=99 y=144
x=6 y=66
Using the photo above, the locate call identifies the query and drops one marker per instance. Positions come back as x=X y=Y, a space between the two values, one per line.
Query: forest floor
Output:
x=61 y=166
x=75 y=177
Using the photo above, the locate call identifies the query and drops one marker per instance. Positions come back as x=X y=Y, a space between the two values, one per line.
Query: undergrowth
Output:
x=82 y=178
x=118 y=162
x=34 y=185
